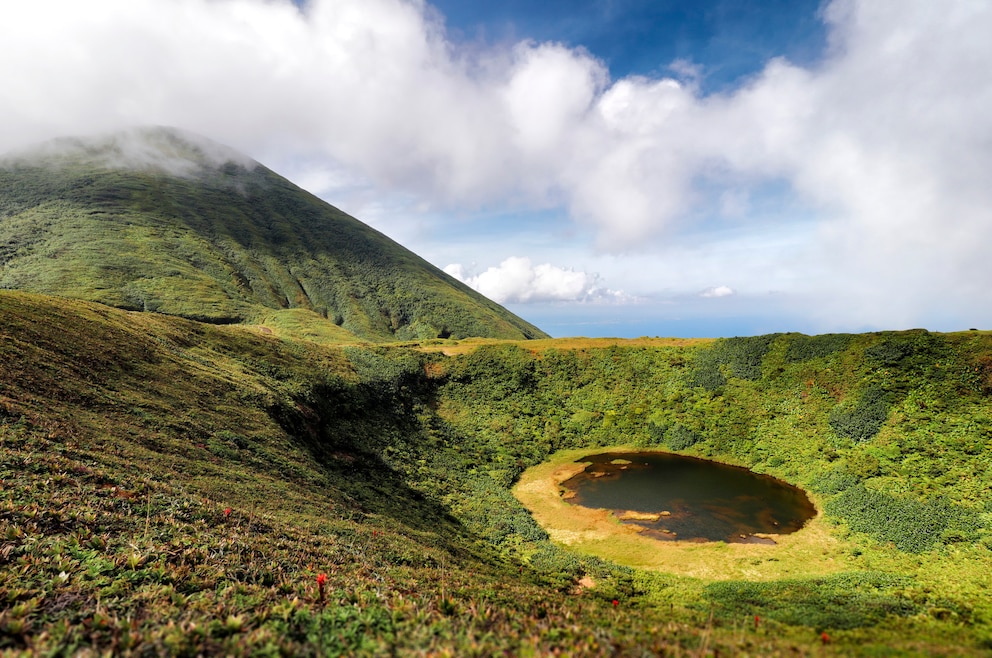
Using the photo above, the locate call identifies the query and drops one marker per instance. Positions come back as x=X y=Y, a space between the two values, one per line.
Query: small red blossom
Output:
x=615 y=603
x=757 y=620
x=321 y=581
x=824 y=637
x=227 y=512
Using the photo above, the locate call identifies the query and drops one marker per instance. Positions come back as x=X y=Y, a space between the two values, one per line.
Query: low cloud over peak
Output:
x=171 y=150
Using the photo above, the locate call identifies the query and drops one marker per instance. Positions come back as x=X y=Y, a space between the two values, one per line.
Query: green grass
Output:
x=93 y=560
x=123 y=447
x=302 y=324
x=125 y=435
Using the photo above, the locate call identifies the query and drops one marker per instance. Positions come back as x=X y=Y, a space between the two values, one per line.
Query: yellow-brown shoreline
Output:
x=811 y=551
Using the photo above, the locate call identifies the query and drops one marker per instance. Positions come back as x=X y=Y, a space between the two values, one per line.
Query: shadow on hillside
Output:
x=343 y=427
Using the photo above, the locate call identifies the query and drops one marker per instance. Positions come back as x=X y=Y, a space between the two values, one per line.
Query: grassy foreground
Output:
x=168 y=487
x=171 y=487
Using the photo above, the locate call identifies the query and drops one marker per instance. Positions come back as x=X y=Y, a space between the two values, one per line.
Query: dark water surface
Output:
x=699 y=500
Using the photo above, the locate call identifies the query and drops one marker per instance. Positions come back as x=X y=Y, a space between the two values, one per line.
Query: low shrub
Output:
x=862 y=420
x=911 y=525
x=680 y=437
x=739 y=357
x=559 y=566
x=805 y=348
x=833 y=482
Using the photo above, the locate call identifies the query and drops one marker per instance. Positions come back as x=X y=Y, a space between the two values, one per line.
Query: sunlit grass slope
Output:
x=172 y=487
x=126 y=437
x=158 y=220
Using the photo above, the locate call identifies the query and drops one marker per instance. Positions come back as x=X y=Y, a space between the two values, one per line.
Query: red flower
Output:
x=227 y=512
x=824 y=637
x=615 y=603
x=321 y=581
x=757 y=620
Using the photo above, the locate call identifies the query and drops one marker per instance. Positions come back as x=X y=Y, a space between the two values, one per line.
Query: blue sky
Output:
x=728 y=39
x=706 y=168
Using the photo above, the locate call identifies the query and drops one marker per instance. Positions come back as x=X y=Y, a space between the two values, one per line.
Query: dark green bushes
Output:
x=911 y=525
x=910 y=353
x=706 y=371
x=862 y=420
x=561 y=567
x=680 y=437
x=916 y=346
x=384 y=367
x=499 y=370
x=832 y=482
x=738 y=357
x=805 y=348
x=493 y=513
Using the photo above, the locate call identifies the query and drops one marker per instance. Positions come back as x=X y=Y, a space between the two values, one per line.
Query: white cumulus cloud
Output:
x=887 y=140
x=717 y=291
x=517 y=280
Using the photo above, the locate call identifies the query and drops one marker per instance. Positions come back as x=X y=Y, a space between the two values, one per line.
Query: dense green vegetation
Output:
x=914 y=479
x=388 y=469
x=184 y=233
x=917 y=400
x=177 y=484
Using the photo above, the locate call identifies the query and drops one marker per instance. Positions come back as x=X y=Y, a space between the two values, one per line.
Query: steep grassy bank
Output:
x=126 y=437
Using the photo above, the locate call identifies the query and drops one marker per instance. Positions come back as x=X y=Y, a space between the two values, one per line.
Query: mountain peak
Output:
x=159 y=219
x=159 y=149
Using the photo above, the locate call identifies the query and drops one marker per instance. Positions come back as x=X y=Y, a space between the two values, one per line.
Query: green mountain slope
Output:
x=159 y=220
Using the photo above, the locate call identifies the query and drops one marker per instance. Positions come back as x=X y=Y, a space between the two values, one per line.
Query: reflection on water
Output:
x=689 y=499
